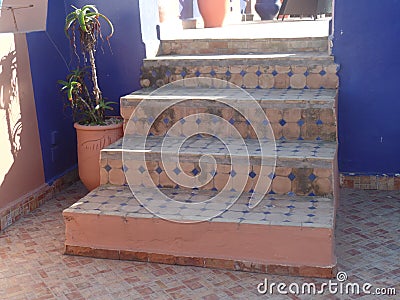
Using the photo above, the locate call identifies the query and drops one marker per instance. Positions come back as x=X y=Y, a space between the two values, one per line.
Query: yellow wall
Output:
x=21 y=167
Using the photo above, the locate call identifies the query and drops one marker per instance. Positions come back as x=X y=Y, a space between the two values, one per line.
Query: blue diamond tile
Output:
x=243 y=73
x=159 y=170
x=154 y=73
x=135 y=119
x=232 y=121
x=168 y=73
x=290 y=74
x=291 y=176
x=312 y=207
x=271 y=175
x=105 y=202
x=311 y=194
x=233 y=173
x=274 y=73
x=252 y=174
x=228 y=73
x=166 y=120
x=248 y=122
x=312 y=177
x=258 y=73
x=214 y=189
x=177 y=171
x=291 y=194
x=159 y=186
x=265 y=122
x=108 y=168
x=322 y=73
x=306 y=73
x=282 y=122
x=198 y=73
x=141 y=169
x=213 y=173
x=183 y=73
x=310 y=215
x=291 y=206
x=213 y=73
x=318 y=138
x=288 y=214
x=150 y=119
x=195 y=171
x=125 y=168
x=300 y=122
x=182 y=121
x=198 y=121
x=123 y=204
x=215 y=120
x=319 y=122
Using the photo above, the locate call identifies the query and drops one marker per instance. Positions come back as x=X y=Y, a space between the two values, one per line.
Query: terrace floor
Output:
x=292 y=28
x=32 y=265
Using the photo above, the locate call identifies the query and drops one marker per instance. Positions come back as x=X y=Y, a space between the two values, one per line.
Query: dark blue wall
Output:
x=366 y=39
x=51 y=58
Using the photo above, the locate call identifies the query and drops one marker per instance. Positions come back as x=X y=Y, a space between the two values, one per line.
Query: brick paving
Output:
x=32 y=265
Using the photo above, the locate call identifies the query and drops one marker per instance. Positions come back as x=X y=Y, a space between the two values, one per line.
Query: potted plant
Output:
x=94 y=130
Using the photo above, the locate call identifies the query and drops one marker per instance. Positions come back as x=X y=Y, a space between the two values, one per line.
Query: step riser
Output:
x=279 y=75
x=297 y=251
x=299 y=177
x=288 y=122
x=242 y=46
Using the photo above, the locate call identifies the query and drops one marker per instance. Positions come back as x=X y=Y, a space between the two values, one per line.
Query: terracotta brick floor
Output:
x=32 y=265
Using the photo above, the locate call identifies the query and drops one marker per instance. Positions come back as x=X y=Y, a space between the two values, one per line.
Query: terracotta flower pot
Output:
x=213 y=12
x=91 y=139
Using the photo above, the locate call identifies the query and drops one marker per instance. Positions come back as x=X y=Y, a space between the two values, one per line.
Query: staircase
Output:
x=221 y=177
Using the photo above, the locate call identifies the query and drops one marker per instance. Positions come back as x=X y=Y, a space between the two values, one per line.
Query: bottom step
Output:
x=286 y=235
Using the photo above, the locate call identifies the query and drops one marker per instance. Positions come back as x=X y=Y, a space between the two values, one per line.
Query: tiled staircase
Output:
x=291 y=155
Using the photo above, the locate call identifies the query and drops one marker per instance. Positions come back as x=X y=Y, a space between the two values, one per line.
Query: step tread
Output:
x=261 y=95
x=244 y=39
x=242 y=58
x=299 y=154
x=192 y=206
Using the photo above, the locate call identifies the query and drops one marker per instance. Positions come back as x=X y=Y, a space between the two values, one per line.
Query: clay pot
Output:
x=213 y=12
x=267 y=9
x=91 y=139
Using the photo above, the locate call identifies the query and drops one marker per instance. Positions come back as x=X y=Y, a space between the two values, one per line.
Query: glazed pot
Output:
x=91 y=139
x=267 y=9
x=213 y=12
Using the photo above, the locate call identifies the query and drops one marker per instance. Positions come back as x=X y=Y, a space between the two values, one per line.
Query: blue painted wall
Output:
x=51 y=57
x=366 y=39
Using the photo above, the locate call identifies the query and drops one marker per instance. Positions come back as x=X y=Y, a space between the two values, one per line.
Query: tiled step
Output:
x=283 y=234
x=293 y=114
x=302 y=168
x=243 y=46
x=295 y=70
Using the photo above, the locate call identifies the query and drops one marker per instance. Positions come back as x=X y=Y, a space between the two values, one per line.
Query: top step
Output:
x=243 y=46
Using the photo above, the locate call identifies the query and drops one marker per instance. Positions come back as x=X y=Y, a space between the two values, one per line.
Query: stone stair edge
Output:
x=259 y=95
x=116 y=149
x=326 y=203
x=243 y=58
x=234 y=39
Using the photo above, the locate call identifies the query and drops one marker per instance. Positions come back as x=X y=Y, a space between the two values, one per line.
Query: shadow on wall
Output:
x=21 y=169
